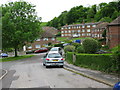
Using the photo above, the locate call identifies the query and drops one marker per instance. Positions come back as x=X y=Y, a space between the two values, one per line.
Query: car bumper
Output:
x=54 y=63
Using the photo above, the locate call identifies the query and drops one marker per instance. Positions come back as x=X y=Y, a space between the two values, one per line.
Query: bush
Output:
x=59 y=45
x=80 y=49
x=90 y=45
x=69 y=48
x=76 y=44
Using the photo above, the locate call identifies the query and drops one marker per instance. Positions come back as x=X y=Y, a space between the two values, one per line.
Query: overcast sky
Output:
x=48 y=9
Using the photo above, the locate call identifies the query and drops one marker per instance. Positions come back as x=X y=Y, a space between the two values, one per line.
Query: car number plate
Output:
x=55 y=60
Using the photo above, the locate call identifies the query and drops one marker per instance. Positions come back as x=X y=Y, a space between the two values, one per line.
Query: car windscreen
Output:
x=54 y=49
x=54 y=55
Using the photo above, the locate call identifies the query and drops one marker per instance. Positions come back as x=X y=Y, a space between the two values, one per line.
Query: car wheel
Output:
x=43 y=64
x=47 y=66
x=61 y=66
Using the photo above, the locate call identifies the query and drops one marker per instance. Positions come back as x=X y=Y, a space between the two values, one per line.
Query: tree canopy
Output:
x=20 y=24
x=102 y=12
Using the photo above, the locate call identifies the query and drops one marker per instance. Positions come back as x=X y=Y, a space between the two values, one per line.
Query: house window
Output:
x=72 y=30
x=53 y=39
x=65 y=31
x=38 y=40
x=88 y=25
x=69 y=27
x=78 y=30
x=29 y=47
x=62 y=34
x=62 y=31
x=62 y=28
x=88 y=30
x=83 y=30
x=69 y=31
x=93 y=25
x=83 y=26
x=45 y=39
x=37 y=46
x=45 y=45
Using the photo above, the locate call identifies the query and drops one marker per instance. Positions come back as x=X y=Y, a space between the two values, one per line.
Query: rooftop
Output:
x=116 y=21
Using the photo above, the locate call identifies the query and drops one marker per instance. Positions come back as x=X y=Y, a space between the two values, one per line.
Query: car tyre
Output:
x=61 y=66
x=43 y=64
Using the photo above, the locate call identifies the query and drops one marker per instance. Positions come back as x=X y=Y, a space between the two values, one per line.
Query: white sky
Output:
x=48 y=9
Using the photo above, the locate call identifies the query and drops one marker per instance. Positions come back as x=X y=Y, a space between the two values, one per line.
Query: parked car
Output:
x=3 y=55
x=30 y=51
x=56 y=50
x=41 y=50
x=53 y=59
x=101 y=52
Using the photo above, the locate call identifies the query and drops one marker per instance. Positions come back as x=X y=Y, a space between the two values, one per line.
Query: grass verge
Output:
x=15 y=58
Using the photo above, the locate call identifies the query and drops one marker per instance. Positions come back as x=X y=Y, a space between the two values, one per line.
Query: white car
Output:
x=56 y=50
x=53 y=59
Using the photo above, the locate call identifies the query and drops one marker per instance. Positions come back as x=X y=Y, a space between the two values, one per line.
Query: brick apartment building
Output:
x=78 y=30
x=98 y=30
x=48 y=36
x=113 y=33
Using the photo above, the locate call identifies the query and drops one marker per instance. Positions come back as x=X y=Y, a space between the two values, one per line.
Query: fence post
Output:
x=74 y=58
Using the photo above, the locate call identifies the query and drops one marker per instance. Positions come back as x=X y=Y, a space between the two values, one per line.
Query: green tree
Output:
x=20 y=24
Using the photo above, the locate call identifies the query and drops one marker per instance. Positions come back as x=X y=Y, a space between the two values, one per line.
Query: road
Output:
x=30 y=73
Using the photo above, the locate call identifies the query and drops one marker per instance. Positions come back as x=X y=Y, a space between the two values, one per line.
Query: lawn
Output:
x=64 y=38
x=15 y=58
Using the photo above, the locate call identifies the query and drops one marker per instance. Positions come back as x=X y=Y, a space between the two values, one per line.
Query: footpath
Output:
x=93 y=74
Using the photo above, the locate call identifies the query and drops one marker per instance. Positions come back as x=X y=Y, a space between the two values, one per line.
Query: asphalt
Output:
x=107 y=79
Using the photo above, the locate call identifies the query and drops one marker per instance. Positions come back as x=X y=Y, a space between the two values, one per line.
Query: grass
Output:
x=15 y=58
x=64 y=38
x=43 y=24
x=61 y=38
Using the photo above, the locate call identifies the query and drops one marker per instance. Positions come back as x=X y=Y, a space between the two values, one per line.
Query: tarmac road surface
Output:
x=30 y=73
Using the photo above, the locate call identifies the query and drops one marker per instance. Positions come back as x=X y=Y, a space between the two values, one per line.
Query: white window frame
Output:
x=37 y=46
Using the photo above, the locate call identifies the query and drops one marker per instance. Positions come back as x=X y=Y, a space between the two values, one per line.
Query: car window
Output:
x=54 y=55
x=54 y=49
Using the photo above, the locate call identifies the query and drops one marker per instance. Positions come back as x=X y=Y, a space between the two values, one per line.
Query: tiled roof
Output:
x=49 y=32
x=116 y=21
x=83 y=24
x=101 y=25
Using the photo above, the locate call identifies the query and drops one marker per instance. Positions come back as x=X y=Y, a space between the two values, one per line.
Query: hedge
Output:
x=69 y=57
x=101 y=62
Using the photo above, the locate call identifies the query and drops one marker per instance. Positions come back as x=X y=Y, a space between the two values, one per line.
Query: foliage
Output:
x=76 y=44
x=90 y=45
x=106 y=47
x=20 y=24
x=101 y=62
x=69 y=48
x=79 y=14
x=58 y=45
x=58 y=34
x=69 y=57
x=116 y=54
x=80 y=49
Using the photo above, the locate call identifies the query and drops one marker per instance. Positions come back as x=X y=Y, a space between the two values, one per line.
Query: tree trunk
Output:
x=16 y=52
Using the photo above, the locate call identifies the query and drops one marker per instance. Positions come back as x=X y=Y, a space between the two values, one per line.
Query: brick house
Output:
x=98 y=30
x=48 y=36
x=78 y=30
x=113 y=33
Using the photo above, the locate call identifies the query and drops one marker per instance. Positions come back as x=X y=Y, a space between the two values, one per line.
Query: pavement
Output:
x=107 y=79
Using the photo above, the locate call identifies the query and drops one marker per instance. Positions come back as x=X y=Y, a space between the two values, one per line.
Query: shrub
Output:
x=80 y=49
x=69 y=48
x=59 y=45
x=90 y=45
x=76 y=44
